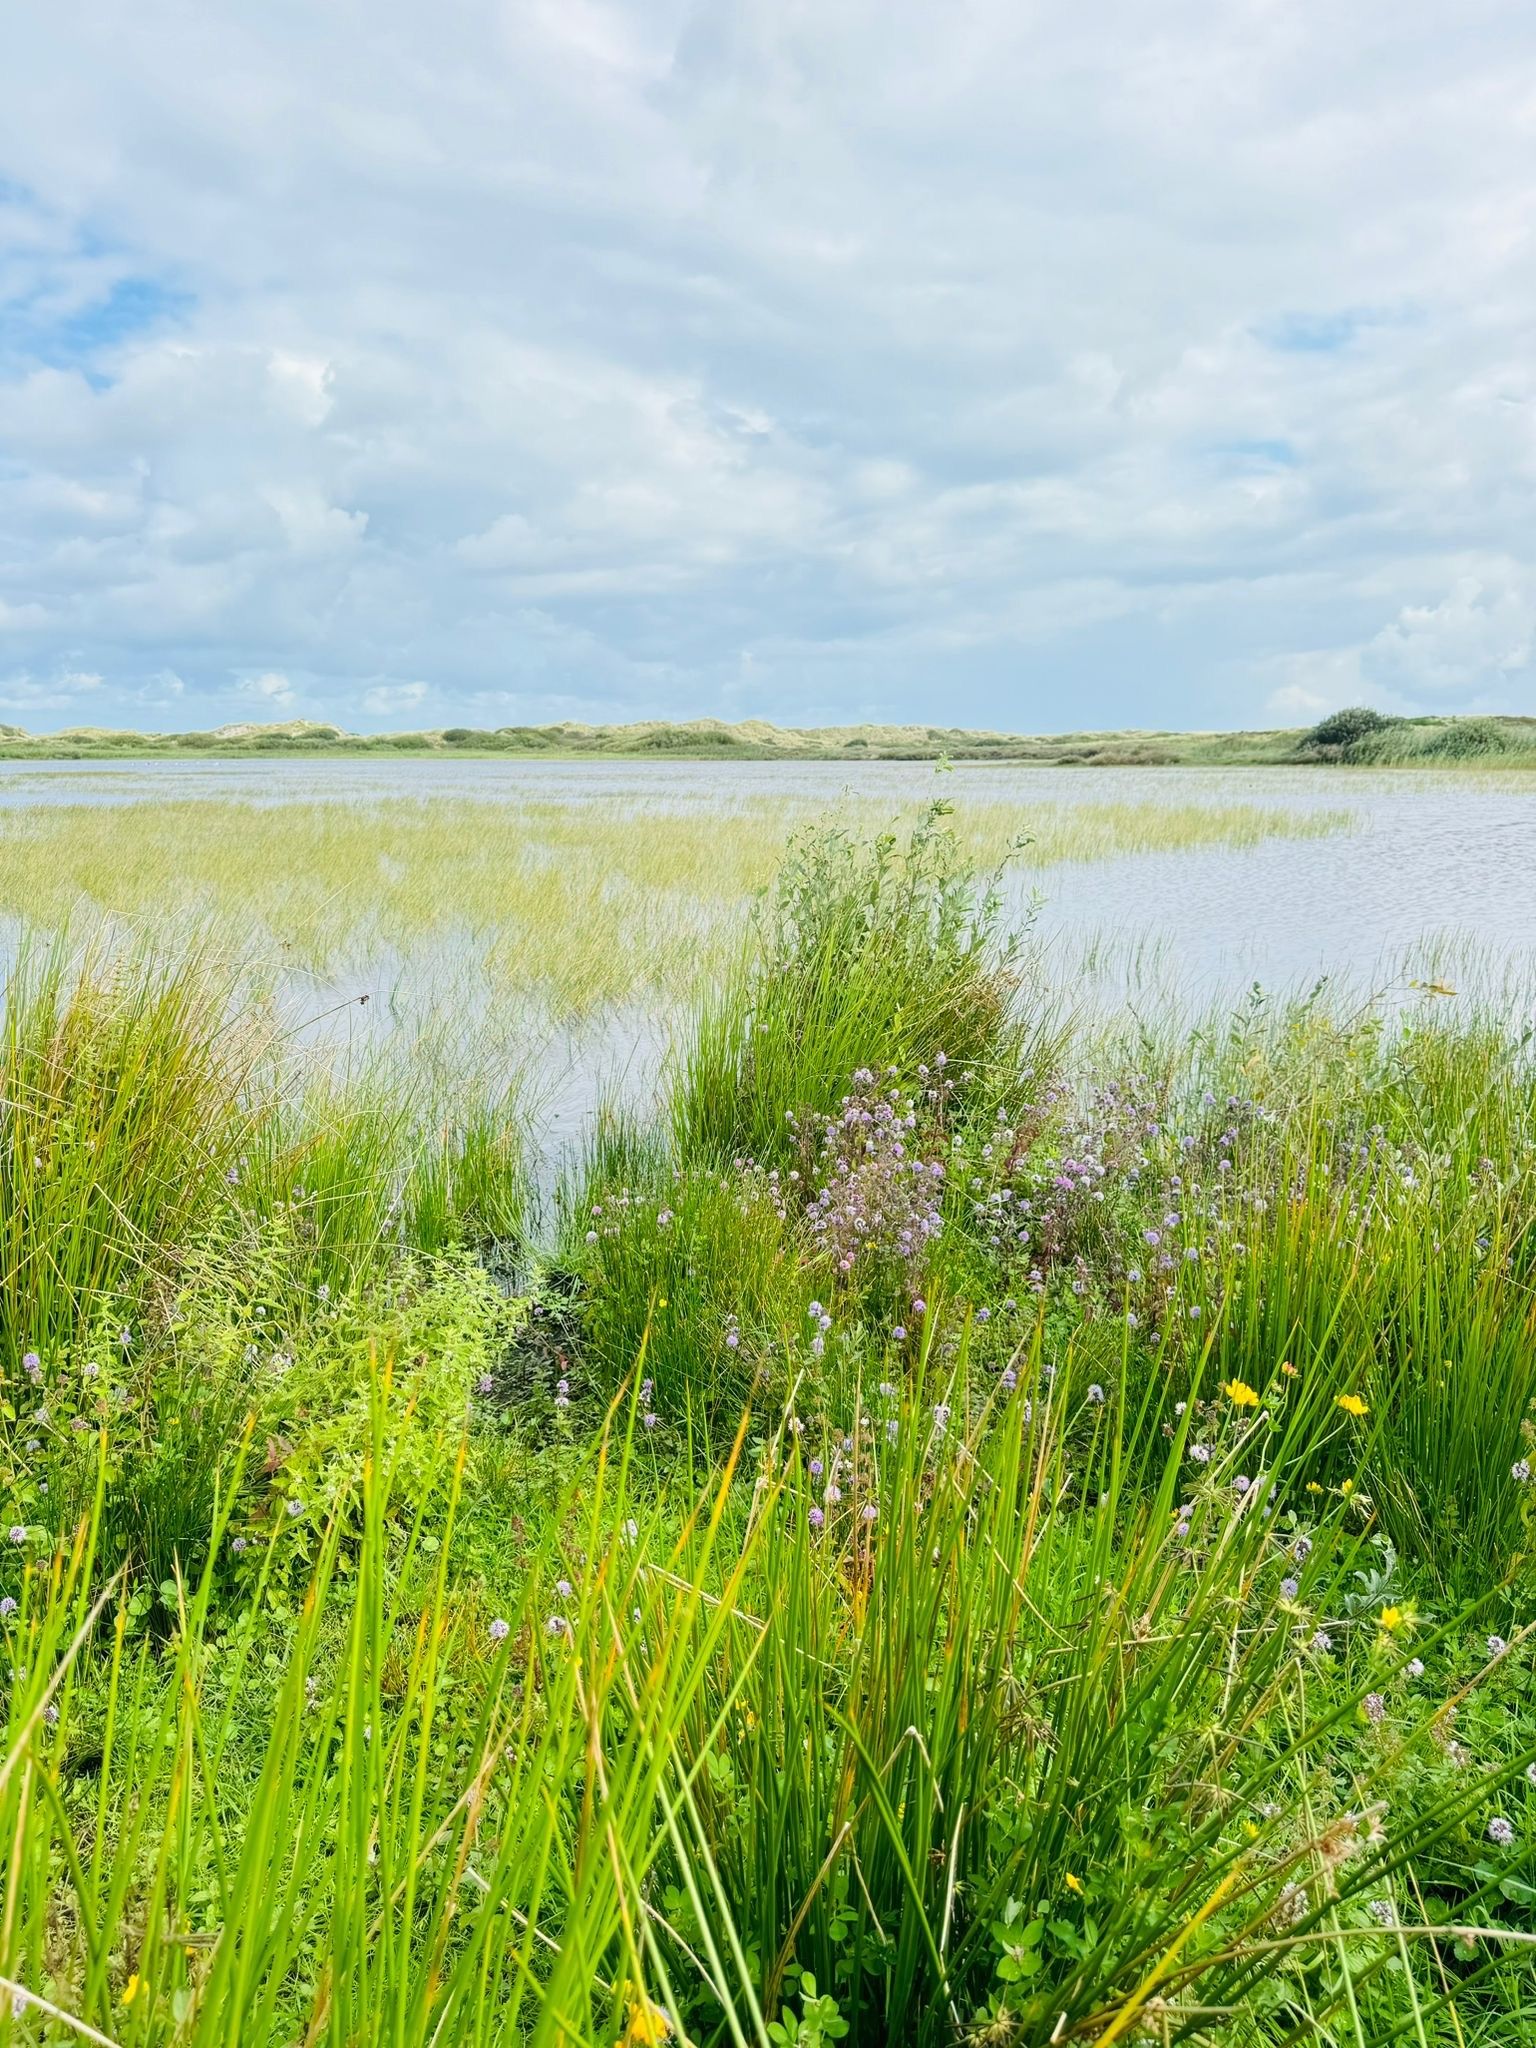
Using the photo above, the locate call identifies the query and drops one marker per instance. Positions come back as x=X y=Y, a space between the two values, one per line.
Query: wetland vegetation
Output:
x=965 y=1517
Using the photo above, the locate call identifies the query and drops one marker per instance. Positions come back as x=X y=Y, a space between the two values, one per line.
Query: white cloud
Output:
x=942 y=362
x=387 y=698
x=61 y=693
x=1479 y=634
x=271 y=688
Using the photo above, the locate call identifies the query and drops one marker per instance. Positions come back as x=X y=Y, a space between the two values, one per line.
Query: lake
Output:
x=1436 y=866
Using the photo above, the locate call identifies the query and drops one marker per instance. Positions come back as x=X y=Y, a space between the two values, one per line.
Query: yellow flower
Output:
x=648 y=2024
x=661 y=1301
x=1347 y=1488
x=1392 y=1618
x=1074 y=1884
x=1240 y=1394
x=1313 y=1487
x=1288 y=1369
x=1352 y=1405
x=131 y=1989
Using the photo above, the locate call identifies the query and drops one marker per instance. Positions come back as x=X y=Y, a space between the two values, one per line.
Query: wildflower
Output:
x=563 y=1588
x=1530 y=1774
x=870 y=1512
x=815 y=1468
x=499 y=1630
x=1391 y=1619
x=919 y=1306
x=31 y=1364
x=1322 y=1642
x=1352 y=1405
x=131 y=1989
x=1288 y=1369
x=1096 y=1395
x=1375 y=1707
x=1415 y=1667
x=833 y=1492
x=7 y=1605
x=557 y=1625
x=238 y=1544
x=898 y=1335
x=940 y=1415
x=1497 y=1646
x=1289 y=1588
x=484 y=1384
x=1241 y=1484
x=648 y=2025
x=18 y=1532
x=650 y=1419
x=1010 y=1380
x=1301 y=1549
x=732 y=1339
x=1501 y=1831
x=1382 y=1913
x=1520 y=1471
x=816 y=1518
x=887 y=1390
x=1073 y=1884
x=1240 y=1394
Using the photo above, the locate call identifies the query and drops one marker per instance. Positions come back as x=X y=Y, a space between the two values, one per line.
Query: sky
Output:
x=1026 y=366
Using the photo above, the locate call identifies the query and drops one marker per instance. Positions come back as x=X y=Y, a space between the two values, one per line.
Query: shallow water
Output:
x=1437 y=863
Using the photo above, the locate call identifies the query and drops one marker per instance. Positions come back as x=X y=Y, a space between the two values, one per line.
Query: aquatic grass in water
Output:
x=584 y=903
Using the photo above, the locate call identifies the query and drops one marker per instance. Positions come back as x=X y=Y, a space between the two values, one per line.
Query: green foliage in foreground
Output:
x=973 y=1534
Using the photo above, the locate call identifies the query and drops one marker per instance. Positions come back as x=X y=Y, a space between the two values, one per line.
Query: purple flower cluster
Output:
x=878 y=1197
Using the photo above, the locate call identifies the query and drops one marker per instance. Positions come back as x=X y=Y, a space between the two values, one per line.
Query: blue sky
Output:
x=997 y=364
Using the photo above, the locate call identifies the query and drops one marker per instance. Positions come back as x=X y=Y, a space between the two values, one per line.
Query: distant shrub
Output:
x=1468 y=739
x=474 y=736
x=1341 y=730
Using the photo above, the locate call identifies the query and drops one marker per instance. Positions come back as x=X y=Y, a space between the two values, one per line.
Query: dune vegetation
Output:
x=951 y=1524
x=1355 y=736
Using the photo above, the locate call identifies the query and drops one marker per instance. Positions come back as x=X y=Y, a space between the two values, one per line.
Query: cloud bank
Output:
x=999 y=364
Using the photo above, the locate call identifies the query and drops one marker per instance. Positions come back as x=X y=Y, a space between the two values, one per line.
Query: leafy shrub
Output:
x=1341 y=730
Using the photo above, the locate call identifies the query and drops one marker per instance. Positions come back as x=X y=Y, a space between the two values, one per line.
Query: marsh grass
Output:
x=584 y=904
x=120 y=1113
x=926 y=1753
x=888 y=949
x=999 y=1631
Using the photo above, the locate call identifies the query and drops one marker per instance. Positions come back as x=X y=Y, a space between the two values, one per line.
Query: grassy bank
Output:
x=951 y=1526
x=1429 y=741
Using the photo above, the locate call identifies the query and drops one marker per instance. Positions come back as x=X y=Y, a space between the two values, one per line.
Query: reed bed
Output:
x=582 y=904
